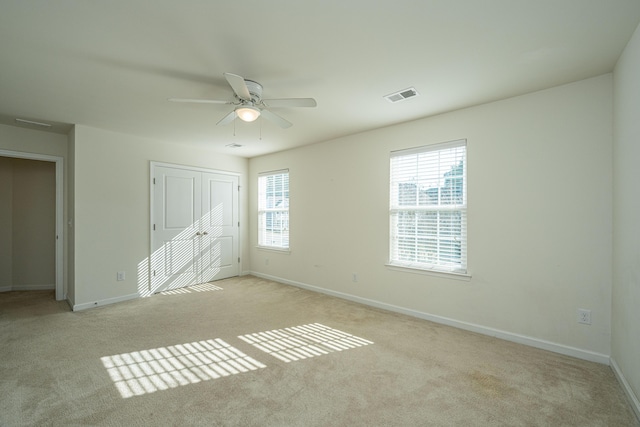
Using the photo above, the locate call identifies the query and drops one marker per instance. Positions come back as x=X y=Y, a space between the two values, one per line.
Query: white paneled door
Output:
x=194 y=227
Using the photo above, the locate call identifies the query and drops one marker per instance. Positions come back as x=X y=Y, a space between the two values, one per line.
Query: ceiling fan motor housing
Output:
x=255 y=90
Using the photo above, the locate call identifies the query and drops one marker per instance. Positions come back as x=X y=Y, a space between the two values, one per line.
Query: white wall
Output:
x=626 y=231
x=14 y=138
x=111 y=208
x=539 y=209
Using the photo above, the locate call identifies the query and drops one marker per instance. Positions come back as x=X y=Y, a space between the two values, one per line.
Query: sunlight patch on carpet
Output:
x=148 y=371
x=302 y=342
x=203 y=287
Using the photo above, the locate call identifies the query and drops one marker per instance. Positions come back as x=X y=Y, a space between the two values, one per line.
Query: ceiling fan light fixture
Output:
x=248 y=113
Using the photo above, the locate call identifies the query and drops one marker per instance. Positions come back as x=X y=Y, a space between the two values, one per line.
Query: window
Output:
x=428 y=208
x=273 y=209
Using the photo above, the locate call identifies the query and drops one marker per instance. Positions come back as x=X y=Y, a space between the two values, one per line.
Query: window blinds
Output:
x=428 y=207
x=273 y=209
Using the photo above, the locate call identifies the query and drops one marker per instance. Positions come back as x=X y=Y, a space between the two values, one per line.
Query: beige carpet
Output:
x=250 y=352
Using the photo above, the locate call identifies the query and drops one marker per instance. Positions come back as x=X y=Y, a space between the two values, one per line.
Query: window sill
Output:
x=274 y=249
x=436 y=273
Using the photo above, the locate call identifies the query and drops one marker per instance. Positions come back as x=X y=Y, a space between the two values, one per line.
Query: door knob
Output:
x=204 y=233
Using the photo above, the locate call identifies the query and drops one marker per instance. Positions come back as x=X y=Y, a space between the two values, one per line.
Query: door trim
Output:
x=152 y=165
x=59 y=251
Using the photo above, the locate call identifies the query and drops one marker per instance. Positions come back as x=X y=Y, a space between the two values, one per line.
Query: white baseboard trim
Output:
x=508 y=336
x=34 y=287
x=633 y=399
x=27 y=288
x=84 y=306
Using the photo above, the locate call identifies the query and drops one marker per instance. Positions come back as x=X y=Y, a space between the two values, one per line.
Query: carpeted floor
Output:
x=251 y=352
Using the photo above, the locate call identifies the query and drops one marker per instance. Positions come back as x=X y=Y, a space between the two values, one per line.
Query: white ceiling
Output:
x=112 y=64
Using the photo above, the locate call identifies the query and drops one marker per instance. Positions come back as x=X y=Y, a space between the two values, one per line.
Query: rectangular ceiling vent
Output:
x=402 y=95
x=234 y=145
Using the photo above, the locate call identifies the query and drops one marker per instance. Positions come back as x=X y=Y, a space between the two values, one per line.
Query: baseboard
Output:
x=28 y=288
x=70 y=302
x=633 y=399
x=84 y=306
x=508 y=336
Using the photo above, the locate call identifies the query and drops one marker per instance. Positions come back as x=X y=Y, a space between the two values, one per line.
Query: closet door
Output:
x=176 y=219
x=219 y=227
x=195 y=227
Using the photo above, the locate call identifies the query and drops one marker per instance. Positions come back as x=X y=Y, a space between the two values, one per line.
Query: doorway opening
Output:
x=37 y=242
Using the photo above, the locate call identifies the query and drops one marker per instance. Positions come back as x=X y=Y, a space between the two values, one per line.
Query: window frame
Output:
x=278 y=209
x=421 y=230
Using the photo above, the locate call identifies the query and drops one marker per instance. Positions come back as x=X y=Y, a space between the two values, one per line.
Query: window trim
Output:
x=274 y=249
x=414 y=266
x=435 y=273
x=260 y=211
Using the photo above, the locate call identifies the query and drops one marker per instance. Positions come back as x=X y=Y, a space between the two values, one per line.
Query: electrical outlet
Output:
x=121 y=276
x=584 y=316
x=354 y=277
x=266 y=261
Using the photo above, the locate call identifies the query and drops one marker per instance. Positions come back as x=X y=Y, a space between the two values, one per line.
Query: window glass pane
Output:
x=406 y=222
x=406 y=248
x=273 y=210
x=407 y=193
x=428 y=207
x=428 y=223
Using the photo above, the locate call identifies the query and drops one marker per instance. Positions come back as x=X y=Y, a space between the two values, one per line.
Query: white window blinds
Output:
x=273 y=209
x=428 y=207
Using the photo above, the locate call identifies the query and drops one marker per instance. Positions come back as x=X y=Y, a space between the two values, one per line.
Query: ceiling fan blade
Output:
x=239 y=86
x=276 y=119
x=290 y=102
x=200 y=101
x=227 y=119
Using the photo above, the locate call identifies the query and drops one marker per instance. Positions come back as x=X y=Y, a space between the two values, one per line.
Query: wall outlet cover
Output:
x=584 y=316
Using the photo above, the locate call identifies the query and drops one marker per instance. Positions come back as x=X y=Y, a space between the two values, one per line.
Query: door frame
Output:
x=59 y=210
x=152 y=166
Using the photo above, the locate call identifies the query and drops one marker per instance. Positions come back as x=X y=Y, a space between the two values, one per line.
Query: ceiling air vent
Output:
x=402 y=95
x=234 y=145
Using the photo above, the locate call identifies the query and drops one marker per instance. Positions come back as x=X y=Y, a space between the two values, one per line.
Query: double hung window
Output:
x=428 y=208
x=273 y=209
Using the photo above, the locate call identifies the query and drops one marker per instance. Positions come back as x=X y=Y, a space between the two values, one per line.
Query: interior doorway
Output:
x=42 y=234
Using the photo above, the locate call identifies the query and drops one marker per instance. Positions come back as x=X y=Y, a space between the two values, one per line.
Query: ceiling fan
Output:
x=249 y=104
